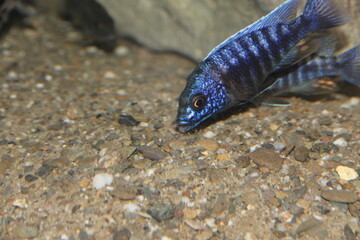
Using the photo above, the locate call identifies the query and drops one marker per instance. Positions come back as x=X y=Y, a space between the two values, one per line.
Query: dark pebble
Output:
x=301 y=154
x=44 y=170
x=340 y=196
x=349 y=234
x=162 y=211
x=325 y=121
x=122 y=234
x=128 y=120
x=57 y=126
x=243 y=161
x=321 y=147
x=98 y=144
x=264 y=157
x=354 y=209
x=31 y=178
x=152 y=153
x=112 y=136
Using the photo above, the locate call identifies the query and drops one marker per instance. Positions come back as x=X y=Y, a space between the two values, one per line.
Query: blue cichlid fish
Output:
x=317 y=75
x=238 y=69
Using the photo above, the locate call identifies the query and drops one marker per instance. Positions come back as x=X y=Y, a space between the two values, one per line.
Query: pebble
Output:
x=124 y=192
x=301 y=154
x=339 y=196
x=220 y=205
x=27 y=231
x=349 y=234
x=264 y=157
x=243 y=161
x=208 y=144
x=122 y=234
x=209 y=134
x=152 y=153
x=340 y=142
x=21 y=203
x=44 y=170
x=312 y=228
x=5 y=163
x=347 y=173
x=121 y=51
x=101 y=180
x=109 y=74
x=128 y=120
x=354 y=209
x=162 y=211
x=31 y=178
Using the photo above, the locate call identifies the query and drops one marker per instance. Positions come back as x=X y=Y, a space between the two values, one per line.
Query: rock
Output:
x=101 y=180
x=208 y=144
x=301 y=154
x=114 y=155
x=354 y=209
x=349 y=234
x=243 y=161
x=44 y=170
x=6 y=162
x=122 y=234
x=312 y=228
x=27 y=231
x=264 y=157
x=152 y=153
x=128 y=120
x=21 y=203
x=346 y=173
x=220 y=205
x=190 y=27
x=31 y=178
x=340 y=196
x=162 y=211
x=124 y=192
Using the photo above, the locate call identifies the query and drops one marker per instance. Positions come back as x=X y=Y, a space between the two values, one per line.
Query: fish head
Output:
x=203 y=96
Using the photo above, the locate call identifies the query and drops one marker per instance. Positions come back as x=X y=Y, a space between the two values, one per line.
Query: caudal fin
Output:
x=350 y=65
x=324 y=14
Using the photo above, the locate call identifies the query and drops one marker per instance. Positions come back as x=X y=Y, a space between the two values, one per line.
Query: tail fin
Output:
x=324 y=14
x=350 y=65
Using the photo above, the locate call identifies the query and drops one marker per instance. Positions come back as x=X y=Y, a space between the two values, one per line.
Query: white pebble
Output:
x=209 y=134
x=121 y=51
x=347 y=173
x=131 y=207
x=109 y=75
x=39 y=85
x=340 y=142
x=279 y=146
x=101 y=180
x=351 y=103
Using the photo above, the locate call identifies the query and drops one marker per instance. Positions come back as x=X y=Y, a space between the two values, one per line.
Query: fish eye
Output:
x=198 y=101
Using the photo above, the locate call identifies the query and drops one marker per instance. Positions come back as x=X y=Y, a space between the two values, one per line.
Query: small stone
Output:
x=128 y=120
x=223 y=157
x=301 y=154
x=162 y=211
x=109 y=74
x=27 y=231
x=208 y=144
x=122 y=234
x=340 y=142
x=339 y=196
x=264 y=157
x=189 y=213
x=21 y=203
x=44 y=170
x=243 y=161
x=354 y=209
x=152 y=153
x=123 y=192
x=347 y=173
x=312 y=228
x=6 y=162
x=209 y=134
x=101 y=180
x=31 y=178
x=349 y=234
x=121 y=51
x=220 y=205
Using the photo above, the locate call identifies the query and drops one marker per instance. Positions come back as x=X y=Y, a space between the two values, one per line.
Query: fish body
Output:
x=238 y=69
x=317 y=74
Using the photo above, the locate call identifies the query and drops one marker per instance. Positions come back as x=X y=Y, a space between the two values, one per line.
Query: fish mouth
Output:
x=184 y=126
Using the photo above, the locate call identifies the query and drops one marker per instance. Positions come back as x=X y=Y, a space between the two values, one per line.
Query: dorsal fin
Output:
x=284 y=13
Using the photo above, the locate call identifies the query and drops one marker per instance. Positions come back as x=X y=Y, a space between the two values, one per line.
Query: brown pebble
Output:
x=208 y=144
x=264 y=157
x=152 y=153
x=301 y=154
x=340 y=196
x=243 y=161
x=124 y=193
x=354 y=209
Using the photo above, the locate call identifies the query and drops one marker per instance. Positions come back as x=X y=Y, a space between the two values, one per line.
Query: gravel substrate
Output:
x=89 y=150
